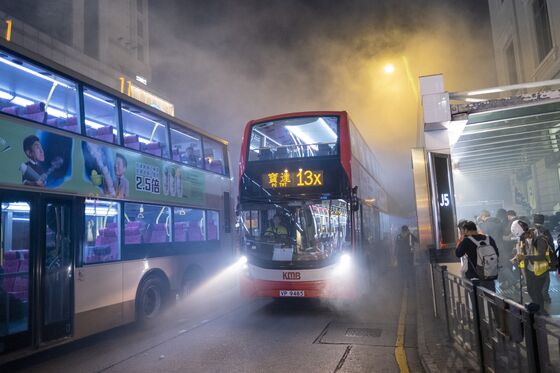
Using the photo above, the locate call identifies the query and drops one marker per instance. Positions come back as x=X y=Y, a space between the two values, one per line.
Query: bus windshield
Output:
x=294 y=138
x=303 y=233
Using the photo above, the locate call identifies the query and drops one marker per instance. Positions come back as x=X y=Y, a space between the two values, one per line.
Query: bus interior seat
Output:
x=176 y=153
x=265 y=154
x=10 y=265
x=194 y=232
x=324 y=149
x=216 y=166
x=21 y=287
x=105 y=134
x=132 y=233
x=158 y=234
x=181 y=231
x=282 y=153
x=132 y=141
x=212 y=231
x=153 y=148
x=34 y=112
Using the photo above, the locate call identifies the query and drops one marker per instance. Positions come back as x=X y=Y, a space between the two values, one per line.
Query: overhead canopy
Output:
x=498 y=142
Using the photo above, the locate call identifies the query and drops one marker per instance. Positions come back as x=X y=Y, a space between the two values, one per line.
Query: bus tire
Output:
x=151 y=299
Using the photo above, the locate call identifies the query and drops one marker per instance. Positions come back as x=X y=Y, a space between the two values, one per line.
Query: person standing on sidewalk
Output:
x=475 y=246
x=532 y=251
x=404 y=246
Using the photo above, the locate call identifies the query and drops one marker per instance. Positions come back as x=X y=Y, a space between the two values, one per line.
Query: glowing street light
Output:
x=389 y=68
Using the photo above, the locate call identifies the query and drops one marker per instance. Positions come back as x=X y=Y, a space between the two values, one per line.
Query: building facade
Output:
x=526 y=35
x=103 y=39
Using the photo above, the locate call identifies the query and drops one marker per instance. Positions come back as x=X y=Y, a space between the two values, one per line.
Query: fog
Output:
x=223 y=63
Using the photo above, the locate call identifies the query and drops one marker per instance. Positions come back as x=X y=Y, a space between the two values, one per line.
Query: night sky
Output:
x=223 y=63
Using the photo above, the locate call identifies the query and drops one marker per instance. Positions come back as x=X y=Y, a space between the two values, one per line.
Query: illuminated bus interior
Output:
x=37 y=94
x=302 y=232
x=294 y=138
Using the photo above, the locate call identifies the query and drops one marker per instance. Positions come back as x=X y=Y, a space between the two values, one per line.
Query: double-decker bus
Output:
x=311 y=206
x=109 y=207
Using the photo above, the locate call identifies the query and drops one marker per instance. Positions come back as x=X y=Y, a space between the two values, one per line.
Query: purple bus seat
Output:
x=194 y=233
x=91 y=132
x=21 y=287
x=212 y=231
x=176 y=154
x=13 y=110
x=181 y=232
x=105 y=134
x=152 y=148
x=132 y=236
x=131 y=141
x=11 y=265
x=159 y=234
x=216 y=166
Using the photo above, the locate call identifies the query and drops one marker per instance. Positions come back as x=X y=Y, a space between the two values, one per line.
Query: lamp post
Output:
x=390 y=69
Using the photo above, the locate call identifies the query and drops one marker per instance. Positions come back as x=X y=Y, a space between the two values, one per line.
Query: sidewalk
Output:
x=437 y=353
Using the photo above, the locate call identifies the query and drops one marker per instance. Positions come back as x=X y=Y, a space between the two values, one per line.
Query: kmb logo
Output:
x=291 y=275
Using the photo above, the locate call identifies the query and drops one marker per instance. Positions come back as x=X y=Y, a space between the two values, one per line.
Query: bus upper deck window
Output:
x=101 y=116
x=37 y=94
x=144 y=131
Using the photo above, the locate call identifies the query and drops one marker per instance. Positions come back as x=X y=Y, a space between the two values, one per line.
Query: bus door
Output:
x=36 y=270
x=56 y=256
x=16 y=275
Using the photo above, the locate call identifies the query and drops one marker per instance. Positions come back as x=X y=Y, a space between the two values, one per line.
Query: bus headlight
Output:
x=242 y=260
x=344 y=264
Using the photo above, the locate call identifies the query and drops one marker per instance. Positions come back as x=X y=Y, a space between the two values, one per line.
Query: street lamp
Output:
x=389 y=68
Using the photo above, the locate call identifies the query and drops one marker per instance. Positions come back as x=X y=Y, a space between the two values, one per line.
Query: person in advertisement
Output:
x=33 y=171
x=121 y=182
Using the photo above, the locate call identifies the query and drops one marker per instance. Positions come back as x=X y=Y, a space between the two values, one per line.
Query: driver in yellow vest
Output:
x=276 y=229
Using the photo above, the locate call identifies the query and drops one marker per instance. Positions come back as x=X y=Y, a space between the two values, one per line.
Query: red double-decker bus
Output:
x=311 y=205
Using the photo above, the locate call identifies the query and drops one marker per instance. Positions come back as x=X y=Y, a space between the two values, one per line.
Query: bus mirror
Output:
x=354 y=201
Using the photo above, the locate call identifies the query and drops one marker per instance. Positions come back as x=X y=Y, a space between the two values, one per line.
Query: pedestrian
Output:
x=532 y=252
x=404 y=247
x=482 y=255
x=538 y=224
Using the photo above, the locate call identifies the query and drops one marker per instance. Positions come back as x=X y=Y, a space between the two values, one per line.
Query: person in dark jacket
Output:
x=469 y=248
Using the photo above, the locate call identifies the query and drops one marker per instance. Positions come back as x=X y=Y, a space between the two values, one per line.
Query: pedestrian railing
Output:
x=494 y=333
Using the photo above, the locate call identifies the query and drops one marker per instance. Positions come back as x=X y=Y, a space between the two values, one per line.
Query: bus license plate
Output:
x=292 y=293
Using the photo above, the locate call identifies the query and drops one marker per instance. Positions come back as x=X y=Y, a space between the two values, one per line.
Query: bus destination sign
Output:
x=292 y=179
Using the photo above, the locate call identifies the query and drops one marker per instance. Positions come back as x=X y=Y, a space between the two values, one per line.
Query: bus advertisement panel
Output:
x=44 y=159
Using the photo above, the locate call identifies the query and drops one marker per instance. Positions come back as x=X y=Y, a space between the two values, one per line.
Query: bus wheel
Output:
x=150 y=300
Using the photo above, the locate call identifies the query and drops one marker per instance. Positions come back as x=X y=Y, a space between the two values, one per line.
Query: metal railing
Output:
x=496 y=334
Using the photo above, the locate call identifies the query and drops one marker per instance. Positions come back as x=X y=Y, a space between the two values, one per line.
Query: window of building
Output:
x=139 y=28
x=212 y=225
x=140 y=52
x=102 y=231
x=189 y=225
x=146 y=224
x=185 y=146
x=511 y=64
x=91 y=28
x=214 y=156
x=140 y=6
x=101 y=116
x=542 y=28
x=144 y=131
x=37 y=94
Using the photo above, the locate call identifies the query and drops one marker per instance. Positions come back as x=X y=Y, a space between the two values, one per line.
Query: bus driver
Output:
x=276 y=229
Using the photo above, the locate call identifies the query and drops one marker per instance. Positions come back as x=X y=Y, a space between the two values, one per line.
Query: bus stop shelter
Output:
x=486 y=150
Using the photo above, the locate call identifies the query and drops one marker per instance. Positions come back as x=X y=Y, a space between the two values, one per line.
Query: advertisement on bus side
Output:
x=44 y=159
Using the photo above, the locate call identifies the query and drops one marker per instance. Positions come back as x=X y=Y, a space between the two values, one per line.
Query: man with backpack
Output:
x=482 y=255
